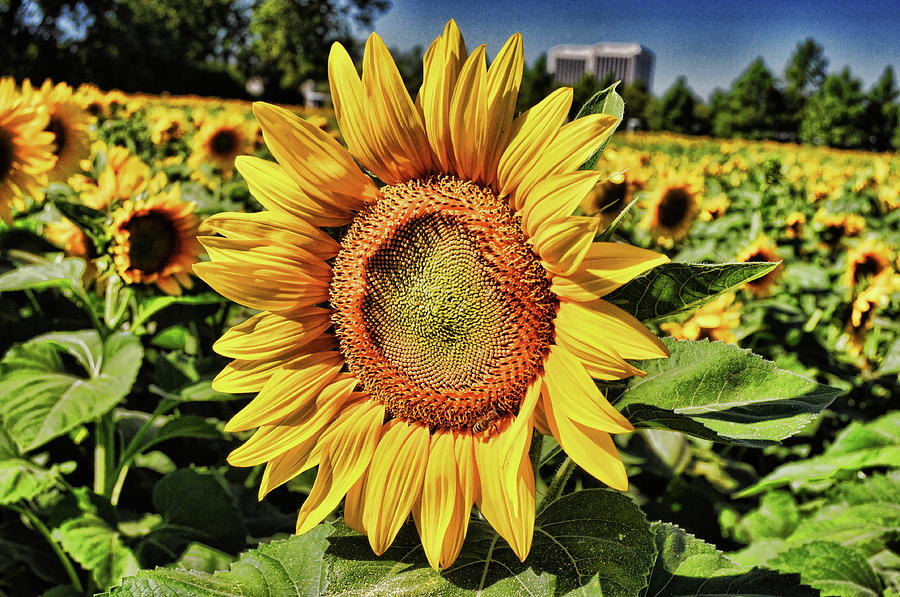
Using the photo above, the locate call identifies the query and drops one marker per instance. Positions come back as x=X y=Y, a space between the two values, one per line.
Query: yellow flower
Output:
x=219 y=141
x=68 y=122
x=463 y=299
x=760 y=250
x=25 y=149
x=871 y=258
x=794 y=224
x=154 y=241
x=714 y=208
x=672 y=209
x=69 y=237
x=715 y=320
x=834 y=228
x=862 y=318
x=609 y=197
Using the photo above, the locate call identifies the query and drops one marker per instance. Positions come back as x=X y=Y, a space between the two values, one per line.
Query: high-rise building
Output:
x=626 y=62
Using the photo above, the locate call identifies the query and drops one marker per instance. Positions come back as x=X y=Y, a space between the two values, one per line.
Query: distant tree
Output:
x=676 y=109
x=582 y=91
x=537 y=83
x=638 y=101
x=881 y=110
x=753 y=108
x=409 y=63
x=835 y=115
x=803 y=75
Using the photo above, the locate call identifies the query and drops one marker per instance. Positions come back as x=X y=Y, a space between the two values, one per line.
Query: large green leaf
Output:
x=98 y=548
x=856 y=447
x=722 y=392
x=686 y=565
x=587 y=543
x=65 y=273
x=40 y=399
x=776 y=518
x=24 y=480
x=832 y=568
x=673 y=288
x=605 y=101
x=293 y=567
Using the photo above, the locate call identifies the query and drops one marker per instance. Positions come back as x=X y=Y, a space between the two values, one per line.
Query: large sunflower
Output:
x=68 y=122
x=672 y=208
x=25 y=149
x=154 y=241
x=411 y=358
x=220 y=140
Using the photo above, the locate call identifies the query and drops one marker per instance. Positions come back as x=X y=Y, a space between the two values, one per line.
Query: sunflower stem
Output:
x=41 y=528
x=558 y=483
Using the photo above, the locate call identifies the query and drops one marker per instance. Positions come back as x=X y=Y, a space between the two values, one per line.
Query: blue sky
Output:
x=709 y=42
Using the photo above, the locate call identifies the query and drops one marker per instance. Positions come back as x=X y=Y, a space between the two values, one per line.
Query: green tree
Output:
x=676 y=109
x=881 y=110
x=803 y=75
x=409 y=63
x=835 y=115
x=638 y=101
x=537 y=83
x=754 y=107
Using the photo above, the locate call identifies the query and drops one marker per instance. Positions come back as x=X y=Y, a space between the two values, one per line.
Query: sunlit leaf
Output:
x=831 y=568
x=98 y=548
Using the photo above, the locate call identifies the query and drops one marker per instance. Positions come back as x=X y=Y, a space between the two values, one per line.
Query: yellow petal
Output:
x=468 y=117
x=571 y=147
x=439 y=497
x=287 y=465
x=510 y=513
x=442 y=66
x=289 y=389
x=563 y=243
x=265 y=252
x=275 y=190
x=313 y=159
x=576 y=396
x=599 y=323
x=275 y=227
x=516 y=439
x=393 y=116
x=599 y=361
x=592 y=450
x=346 y=453
x=267 y=335
x=531 y=133
x=352 y=113
x=466 y=477
x=394 y=482
x=555 y=198
x=309 y=420
x=606 y=267
x=264 y=288
x=353 y=504
x=503 y=80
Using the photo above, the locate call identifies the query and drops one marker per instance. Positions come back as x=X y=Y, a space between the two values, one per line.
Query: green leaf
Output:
x=589 y=542
x=856 y=447
x=605 y=101
x=722 y=392
x=204 y=558
x=98 y=548
x=686 y=565
x=673 y=288
x=65 y=273
x=776 y=517
x=281 y=568
x=24 y=480
x=831 y=568
x=156 y=304
x=864 y=526
x=40 y=399
x=607 y=234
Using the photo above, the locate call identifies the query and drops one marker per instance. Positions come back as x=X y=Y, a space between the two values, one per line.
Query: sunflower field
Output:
x=430 y=346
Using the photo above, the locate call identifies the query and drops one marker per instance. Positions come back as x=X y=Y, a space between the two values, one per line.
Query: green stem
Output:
x=117 y=488
x=104 y=453
x=41 y=528
x=558 y=483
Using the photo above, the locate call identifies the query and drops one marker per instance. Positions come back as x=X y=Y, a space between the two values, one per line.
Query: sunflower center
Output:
x=869 y=266
x=673 y=207
x=609 y=197
x=443 y=311
x=7 y=155
x=58 y=128
x=223 y=143
x=833 y=234
x=152 y=240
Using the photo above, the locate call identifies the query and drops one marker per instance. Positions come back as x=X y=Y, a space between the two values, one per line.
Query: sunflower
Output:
x=609 y=197
x=25 y=149
x=672 y=209
x=715 y=320
x=869 y=259
x=761 y=250
x=219 y=141
x=412 y=358
x=834 y=228
x=794 y=224
x=166 y=124
x=714 y=207
x=68 y=122
x=69 y=237
x=869 y=301
x=154 y=241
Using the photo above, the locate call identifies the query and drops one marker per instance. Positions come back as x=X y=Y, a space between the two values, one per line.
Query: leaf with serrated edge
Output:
x=722 y=392
x=686 y=565
x=832 y=568
x=24 y=480
x=673 y=288
x=98 y=548
x=41 y=400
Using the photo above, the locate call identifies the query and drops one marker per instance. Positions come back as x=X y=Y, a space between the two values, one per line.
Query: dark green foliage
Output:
x=753 y=109
x=835 y=115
